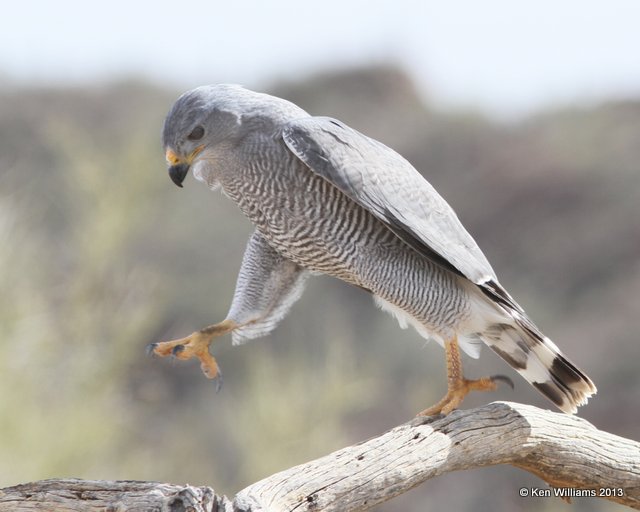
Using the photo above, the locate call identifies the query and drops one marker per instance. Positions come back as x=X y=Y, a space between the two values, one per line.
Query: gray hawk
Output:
x=325 y=198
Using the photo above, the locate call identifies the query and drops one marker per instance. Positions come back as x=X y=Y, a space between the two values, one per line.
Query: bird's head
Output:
x=199 y=121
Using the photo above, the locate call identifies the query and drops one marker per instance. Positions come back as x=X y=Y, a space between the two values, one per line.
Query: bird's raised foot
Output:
x=459 y=389
x=196 y=345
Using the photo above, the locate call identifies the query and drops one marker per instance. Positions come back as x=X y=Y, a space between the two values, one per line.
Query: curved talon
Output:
x=150 y=348
x=218 y=381
x=425 y=419
x=503 y=378
x=177 y=350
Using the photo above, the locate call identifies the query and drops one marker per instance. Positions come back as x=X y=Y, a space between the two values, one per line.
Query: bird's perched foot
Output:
x=458 y=386
x=456 y=393
x=196 y=345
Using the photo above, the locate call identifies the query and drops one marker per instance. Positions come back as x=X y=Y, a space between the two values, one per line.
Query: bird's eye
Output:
x=196 y=134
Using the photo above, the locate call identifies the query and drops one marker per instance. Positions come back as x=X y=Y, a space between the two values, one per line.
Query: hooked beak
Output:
x=178 y=173
x=179 y=167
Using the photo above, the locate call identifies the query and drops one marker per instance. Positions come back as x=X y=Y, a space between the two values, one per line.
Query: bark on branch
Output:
x=565 y=451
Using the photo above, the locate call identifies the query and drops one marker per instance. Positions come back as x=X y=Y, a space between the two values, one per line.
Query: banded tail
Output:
x=540 y=362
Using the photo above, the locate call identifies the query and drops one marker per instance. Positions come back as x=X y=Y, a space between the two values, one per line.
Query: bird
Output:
x=327 y=199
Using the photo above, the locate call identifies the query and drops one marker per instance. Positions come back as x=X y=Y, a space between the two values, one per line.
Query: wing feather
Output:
x=386 y=184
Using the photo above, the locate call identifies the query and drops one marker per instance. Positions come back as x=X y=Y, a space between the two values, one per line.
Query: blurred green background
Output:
x=101 y=254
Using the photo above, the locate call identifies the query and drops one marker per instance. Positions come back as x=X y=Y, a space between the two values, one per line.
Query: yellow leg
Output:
x=197 y=345
x=457 y=386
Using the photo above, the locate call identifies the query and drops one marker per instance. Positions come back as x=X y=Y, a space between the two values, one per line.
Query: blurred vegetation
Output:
x=101 y=255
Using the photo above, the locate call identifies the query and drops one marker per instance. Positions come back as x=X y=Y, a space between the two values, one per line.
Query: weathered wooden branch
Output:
x=567 y=452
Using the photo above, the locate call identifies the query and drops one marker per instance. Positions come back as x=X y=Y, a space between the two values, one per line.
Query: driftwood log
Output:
x=568 y=453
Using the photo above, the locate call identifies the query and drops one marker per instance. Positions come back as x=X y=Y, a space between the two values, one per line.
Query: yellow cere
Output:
x=172 y=158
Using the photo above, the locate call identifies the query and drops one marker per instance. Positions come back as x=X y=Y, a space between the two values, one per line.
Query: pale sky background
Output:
x=504 y=57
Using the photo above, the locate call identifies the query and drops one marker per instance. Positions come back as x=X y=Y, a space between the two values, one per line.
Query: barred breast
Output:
x=311 y=222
